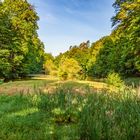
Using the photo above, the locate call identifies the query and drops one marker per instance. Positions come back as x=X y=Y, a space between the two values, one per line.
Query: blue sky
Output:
x=69 y=22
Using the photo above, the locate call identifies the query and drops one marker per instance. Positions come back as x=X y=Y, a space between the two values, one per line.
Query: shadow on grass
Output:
x=21 y=119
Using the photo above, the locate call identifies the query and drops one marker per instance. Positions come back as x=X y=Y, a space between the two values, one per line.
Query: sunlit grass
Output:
x=24 y=112
x=48 y=85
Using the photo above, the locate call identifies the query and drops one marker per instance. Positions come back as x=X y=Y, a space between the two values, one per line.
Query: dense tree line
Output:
x=21 y=51
x=78 y=56
x=119 y=52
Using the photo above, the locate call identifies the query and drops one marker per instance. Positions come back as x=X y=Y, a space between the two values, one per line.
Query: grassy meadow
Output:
x=49 y=109
x=67 y=73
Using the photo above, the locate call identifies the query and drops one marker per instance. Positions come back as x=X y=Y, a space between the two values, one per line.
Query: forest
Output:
x=22 y=52
x=89 y=92
x=118 y=52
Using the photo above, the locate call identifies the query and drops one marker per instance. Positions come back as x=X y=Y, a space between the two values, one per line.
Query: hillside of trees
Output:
x=22 y=52
x=118 y=52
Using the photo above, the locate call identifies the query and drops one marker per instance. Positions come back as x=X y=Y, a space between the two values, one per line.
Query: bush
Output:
x=114 y=79
x=50 y=68
x=69 y=69
x=54 y=73
x=63 y=75
x=1 y=81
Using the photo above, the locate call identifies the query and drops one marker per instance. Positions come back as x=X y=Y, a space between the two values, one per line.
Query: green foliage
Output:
x=108 y=117
x=48 y=56
x=120 y=51
x=49 y=65
x=79 y=53
x=127 y=17
x=21 y=51
x=114 y=79
x=50 y=68
x=64 y=107
x=69 y=69
x=63 y=75
x=132 y=81
x=101 y=62
x=58 y=59
x=1 y=81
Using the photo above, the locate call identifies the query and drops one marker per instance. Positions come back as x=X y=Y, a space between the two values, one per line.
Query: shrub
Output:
x=1 y=81
x=114 y=79
x=63 y=75
x=50 y=68
x=69 y=69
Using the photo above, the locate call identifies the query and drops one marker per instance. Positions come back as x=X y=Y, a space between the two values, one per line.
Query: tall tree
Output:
x=25 y=48
x=127 y=21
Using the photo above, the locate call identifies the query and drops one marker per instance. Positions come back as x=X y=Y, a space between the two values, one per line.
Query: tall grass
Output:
x=110 y=117
x=64 y=115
